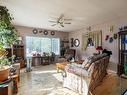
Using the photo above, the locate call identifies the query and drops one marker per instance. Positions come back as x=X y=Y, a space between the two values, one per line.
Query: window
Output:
x=40 y=45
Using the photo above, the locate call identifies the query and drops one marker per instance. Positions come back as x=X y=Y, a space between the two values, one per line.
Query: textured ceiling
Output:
x=37 y=13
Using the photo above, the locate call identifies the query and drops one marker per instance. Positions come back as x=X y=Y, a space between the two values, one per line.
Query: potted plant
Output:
x=4 y=68
x=8 y=33
x=8 y=36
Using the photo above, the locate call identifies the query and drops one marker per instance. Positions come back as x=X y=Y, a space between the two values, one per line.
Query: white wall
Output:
x=117 y=23
x=27 y=31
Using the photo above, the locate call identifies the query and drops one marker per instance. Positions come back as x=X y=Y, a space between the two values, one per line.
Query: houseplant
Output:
x=8 y=33
x=8 y=36
x=4 y=61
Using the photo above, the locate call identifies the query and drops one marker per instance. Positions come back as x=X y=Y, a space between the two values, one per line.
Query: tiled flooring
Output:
x=44 y=80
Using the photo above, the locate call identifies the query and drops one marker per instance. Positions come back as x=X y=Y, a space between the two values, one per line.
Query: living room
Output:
x=52 y=42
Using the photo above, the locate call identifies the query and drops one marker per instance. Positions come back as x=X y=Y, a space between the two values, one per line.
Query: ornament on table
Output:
x=107 y=37
x=110 y=39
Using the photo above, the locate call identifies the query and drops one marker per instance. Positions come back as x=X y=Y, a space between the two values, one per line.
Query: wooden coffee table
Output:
x=61 y=66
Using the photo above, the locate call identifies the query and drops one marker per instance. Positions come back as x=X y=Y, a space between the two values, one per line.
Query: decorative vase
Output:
x=4 y=73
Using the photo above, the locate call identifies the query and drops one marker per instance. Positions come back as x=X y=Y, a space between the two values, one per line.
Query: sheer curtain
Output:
x=41 y=44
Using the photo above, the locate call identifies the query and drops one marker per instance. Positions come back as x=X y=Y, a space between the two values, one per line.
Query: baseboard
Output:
x=111 y=72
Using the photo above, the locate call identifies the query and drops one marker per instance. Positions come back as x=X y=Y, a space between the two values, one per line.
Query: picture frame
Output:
x=45 y=32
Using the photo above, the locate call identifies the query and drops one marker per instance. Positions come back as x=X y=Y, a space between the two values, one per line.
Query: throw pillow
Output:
x=87 y=62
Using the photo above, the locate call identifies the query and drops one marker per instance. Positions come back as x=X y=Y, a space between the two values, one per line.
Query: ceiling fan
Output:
x=60 y=21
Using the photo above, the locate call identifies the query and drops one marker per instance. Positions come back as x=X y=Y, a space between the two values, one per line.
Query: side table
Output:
x=6 y=87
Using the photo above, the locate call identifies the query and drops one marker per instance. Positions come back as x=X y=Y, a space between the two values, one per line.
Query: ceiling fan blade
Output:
x=67 y=23
x=61 y=16
x=53 y=24
x=67 y=19
x=53 y=21
x=62 y=25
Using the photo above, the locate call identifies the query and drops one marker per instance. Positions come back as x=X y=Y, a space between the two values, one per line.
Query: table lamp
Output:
x=99 y=48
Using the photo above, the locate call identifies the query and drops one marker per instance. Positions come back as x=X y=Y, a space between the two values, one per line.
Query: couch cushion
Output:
x=71 y=68
x=87 y=62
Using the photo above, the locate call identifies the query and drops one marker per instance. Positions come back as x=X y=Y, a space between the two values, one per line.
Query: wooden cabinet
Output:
x=122 y=52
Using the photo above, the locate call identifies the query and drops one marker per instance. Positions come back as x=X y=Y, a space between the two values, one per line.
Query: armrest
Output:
x=77 y=70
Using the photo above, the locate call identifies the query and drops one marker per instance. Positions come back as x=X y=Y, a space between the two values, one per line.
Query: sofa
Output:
x=85 y=79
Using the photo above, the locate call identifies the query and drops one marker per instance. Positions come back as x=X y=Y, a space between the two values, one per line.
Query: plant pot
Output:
x=4 y=73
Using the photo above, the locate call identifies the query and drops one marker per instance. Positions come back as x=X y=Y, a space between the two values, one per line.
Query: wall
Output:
x=117 y=23
x=27 y=31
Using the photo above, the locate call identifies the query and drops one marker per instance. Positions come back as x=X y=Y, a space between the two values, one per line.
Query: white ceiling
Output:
x=37 y=13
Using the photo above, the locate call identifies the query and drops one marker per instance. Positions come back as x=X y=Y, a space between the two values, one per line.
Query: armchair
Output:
x=83 y=80
x=69 y=53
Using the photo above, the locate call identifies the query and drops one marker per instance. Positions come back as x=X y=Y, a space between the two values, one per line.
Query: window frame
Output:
x=40 y=38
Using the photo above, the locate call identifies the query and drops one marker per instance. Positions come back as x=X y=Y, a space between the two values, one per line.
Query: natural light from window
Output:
x=41 y=45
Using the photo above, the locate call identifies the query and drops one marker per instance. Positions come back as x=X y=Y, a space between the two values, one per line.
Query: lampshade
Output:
x=99 y=48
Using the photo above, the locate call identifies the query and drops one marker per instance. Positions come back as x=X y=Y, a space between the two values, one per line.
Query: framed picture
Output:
x=35 y=31
x=52 y=33
x=45 y=32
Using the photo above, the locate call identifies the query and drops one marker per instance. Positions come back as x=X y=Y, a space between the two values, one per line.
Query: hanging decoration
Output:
x=111 y=28
x=115 y=36
x=123 y=28
x=40 y=31
x=110 y=39
x=52 y=33
x=45 y=32
x=35 y=31
x=107 y=37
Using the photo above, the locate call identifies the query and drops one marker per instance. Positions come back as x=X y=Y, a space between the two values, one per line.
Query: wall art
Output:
x=110 y=39
x=115 y=36
x=35 y=31
x=45 y=32
x=52 y=32
x=111 y=28
x=107 y=37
